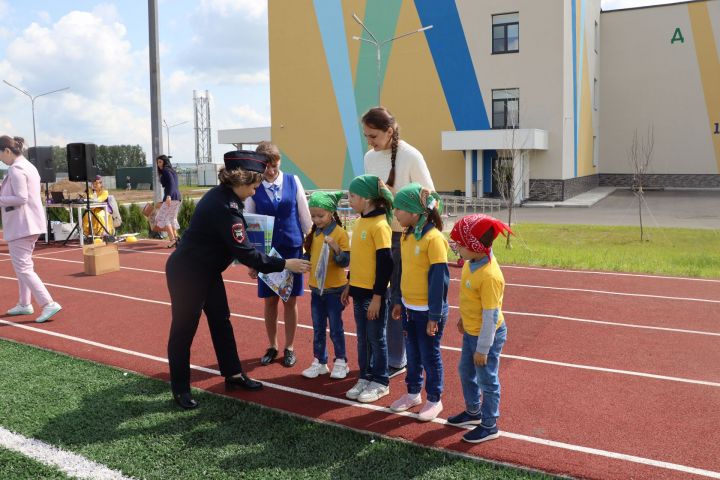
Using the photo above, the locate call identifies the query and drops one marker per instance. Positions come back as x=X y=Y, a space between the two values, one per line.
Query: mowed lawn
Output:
x=667 y=251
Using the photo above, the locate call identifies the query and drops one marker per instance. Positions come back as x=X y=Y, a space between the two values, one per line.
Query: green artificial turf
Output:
x=129 y=423
x=15 y=466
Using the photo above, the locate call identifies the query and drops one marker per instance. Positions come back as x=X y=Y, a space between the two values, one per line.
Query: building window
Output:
x=506 y=33
x=597 y=37
x=506 y=108
x=595 y=94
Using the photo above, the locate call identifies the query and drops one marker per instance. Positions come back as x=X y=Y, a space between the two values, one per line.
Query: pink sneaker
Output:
x=406 y=402
x=430 y=411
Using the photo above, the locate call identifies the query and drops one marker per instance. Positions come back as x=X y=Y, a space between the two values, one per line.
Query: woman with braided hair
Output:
x=399 y=163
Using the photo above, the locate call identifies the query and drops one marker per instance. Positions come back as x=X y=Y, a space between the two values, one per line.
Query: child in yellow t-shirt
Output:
x=481 y=322
x=325 y=303
x=423 y=306
x=371 y=266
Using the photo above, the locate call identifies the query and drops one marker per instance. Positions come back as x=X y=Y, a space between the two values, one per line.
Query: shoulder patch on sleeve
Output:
x=238 y=232
x=233 y=205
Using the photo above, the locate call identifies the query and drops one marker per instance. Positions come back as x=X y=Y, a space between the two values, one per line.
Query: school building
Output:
x=554 y=87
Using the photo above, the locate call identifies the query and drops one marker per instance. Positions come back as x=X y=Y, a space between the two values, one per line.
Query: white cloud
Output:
x=245 y=116
x=618 y=4
x=255 y=9
x=181 y=80
x=3 y=7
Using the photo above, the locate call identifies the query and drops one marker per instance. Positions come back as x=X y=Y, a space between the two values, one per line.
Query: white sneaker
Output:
x=430 y=411
x=316 y=368
x=20 y=310
x=373 y=392
x=48 y=311
x=340 y=369
x=359 y=387
x=406 y=402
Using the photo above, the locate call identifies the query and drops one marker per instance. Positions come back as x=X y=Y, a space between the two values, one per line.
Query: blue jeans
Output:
x=475 y=379
x=324 y=308
x=395 y=335
x=423 y=353
x=372 y=345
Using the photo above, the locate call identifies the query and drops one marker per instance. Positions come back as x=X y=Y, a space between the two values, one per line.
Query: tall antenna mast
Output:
x=203 y=144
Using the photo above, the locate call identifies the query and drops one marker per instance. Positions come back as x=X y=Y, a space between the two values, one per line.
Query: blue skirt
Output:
x=298 y=286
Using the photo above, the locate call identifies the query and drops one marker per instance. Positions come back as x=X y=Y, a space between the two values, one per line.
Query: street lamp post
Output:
x=379 y=45
x=167 y=129
x=32 y=103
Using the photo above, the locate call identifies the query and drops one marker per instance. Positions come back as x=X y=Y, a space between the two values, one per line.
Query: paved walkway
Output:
x=663 y=208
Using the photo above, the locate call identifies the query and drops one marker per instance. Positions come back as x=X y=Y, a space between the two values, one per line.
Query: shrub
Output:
x=135 y=221
x=187 y=208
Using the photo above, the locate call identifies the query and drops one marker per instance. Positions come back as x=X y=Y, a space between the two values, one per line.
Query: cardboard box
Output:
x=100 y=259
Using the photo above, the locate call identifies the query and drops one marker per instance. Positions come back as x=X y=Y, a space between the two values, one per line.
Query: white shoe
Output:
x=373 y=392
x=430 y=411
x=340 y=369
x=356 y=390
x=406 y=402
x=20 y=310
x=315 y=369
x=48 y=311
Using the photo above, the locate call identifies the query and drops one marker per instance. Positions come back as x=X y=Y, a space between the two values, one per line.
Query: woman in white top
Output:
x=400 y=163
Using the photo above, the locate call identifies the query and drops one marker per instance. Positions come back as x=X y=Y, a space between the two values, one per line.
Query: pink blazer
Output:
x=23 y=213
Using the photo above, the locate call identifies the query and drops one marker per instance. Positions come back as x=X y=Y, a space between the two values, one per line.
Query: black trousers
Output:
x=193 y=292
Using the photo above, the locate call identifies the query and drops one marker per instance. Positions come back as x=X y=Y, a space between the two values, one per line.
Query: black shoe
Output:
x=243 y=381
x=290 y=359
x=185 y=400
x=395 y=371
x=269 y=356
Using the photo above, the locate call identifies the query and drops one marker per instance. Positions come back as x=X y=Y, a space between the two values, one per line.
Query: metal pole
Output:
x=155 y=108
x=379 y=45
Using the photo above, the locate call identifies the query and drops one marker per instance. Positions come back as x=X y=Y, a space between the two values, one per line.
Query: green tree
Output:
x=60 y=158
x=109 y=157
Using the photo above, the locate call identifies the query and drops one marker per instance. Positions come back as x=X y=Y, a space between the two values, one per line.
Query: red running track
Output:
x=604 y=375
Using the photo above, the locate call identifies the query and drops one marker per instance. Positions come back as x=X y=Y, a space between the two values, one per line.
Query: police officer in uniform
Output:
x=216 y=236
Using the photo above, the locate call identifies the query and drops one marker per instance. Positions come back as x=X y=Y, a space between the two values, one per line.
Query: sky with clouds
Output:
x=100 y=50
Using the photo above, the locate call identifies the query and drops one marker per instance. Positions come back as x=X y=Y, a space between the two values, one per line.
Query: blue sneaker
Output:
x=464 y=418
x=481 y=433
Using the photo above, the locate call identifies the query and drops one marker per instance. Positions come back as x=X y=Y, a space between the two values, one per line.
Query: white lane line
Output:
x=601 y=292
x=376 y=408
x=605 y=292
x=443 y=347
x=612 y=324
x=618 y=274
x=70 y=463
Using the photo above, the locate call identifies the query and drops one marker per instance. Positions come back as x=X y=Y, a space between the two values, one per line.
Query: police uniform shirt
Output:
x=217 y=235
x=482 y=286
x=417 y=258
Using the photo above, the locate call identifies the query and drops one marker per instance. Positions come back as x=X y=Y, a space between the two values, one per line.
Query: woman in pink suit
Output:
x=23 y=218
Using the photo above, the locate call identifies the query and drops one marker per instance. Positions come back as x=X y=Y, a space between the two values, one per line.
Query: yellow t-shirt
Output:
x=482 y=289
x=417 y=257
x=335 y=276
x=369 y=235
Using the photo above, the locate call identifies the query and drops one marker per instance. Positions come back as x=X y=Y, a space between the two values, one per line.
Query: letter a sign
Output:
x=677 y=36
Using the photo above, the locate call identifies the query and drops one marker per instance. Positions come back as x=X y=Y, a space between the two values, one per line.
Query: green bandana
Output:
x=372 y=188
x=413 y=198
x=325 y=200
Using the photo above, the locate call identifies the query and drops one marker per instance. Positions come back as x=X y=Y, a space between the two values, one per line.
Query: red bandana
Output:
x=468 y=231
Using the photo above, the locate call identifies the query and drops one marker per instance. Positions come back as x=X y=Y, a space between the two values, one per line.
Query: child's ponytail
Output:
x=307 y=244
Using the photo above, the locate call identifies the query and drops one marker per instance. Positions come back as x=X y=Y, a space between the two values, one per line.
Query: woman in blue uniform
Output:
x=216 y=236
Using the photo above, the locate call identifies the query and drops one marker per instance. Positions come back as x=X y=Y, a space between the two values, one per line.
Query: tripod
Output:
x=90 y=214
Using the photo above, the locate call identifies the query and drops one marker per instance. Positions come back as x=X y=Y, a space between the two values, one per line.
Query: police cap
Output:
x=246 y=160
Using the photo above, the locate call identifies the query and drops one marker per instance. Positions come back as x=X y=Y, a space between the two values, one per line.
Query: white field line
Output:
x=617 y=274
x=507 y=312
x=444 y=347
x=70 y=463
x=376 y=408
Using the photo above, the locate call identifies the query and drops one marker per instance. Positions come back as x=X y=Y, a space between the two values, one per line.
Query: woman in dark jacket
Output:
x=166 y=217
x=216 y=236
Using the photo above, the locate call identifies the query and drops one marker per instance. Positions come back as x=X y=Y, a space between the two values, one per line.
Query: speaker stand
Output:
x=47 y=202
x=90 y=213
